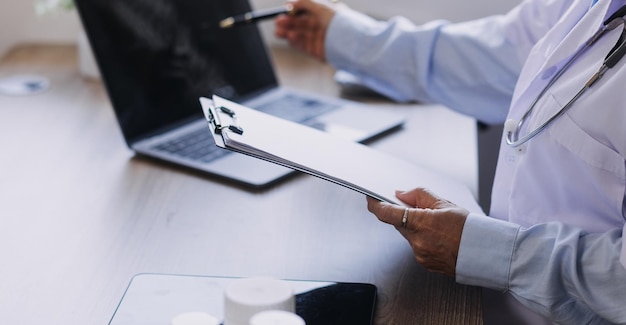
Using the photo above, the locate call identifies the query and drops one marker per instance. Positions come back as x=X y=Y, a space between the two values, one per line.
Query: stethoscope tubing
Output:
x=512 y=136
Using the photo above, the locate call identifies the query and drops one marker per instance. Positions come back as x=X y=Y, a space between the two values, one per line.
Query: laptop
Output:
x=158 y=57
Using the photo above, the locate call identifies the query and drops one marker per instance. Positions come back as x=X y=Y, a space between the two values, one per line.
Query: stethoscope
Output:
x=512 y=128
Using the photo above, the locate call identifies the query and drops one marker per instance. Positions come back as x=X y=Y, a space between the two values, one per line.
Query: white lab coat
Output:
x=575 y=168
x=574 y=171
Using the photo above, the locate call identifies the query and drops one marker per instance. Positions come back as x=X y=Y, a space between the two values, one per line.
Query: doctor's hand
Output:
x=306 y=29
x=433 y=227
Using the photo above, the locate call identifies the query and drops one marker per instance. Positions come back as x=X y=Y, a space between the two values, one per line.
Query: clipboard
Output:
x=314 y=152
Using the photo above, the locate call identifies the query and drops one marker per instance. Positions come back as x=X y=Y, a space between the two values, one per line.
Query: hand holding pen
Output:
x=259 y=15
x=303 y=23
x=307 y=29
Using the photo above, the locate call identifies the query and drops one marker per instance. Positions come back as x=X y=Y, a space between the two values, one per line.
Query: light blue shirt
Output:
x=469 y=67
x=564 y=262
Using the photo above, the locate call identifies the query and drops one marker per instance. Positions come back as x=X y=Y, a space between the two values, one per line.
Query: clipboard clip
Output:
x=215 y=120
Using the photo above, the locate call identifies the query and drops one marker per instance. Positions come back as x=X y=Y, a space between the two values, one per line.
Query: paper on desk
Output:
x=346 y=163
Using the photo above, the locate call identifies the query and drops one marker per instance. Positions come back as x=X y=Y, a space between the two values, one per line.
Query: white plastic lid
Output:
x=195 y=318
x=276 y=317
x=249 y=296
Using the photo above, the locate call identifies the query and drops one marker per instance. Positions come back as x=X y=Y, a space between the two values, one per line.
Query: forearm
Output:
x=435 y=63
x=554 y=269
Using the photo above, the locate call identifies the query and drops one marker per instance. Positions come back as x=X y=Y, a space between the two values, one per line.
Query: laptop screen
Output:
x=157 y=57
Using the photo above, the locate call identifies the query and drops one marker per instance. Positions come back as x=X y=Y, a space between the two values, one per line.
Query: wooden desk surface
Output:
x=79 y=215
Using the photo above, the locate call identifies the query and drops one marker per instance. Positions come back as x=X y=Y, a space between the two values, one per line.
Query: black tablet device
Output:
x=157 y=298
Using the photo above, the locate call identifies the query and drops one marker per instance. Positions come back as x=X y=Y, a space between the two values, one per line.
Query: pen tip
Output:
x=227 y=23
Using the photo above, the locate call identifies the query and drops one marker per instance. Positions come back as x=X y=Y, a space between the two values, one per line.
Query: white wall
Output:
x=19 y=23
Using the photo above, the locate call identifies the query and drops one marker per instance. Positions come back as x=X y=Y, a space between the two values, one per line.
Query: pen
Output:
x=254 y=16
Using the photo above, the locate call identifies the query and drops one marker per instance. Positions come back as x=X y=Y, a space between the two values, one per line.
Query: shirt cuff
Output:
x=485 y=252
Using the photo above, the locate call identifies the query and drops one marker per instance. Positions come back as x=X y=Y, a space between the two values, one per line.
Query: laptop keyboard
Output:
x=198 y=145
x=306 y=108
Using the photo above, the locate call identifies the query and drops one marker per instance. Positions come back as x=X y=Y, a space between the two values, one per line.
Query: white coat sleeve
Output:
x=554 y=269
x=471 y=67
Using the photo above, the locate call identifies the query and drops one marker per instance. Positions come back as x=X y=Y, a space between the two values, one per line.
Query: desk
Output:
x=79 y=215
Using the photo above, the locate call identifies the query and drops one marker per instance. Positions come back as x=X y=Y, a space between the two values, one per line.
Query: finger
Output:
x=306 y=34
x=419 y=197
x=282 y=25
x=318 y=44
x=304 y=22
x=388 y=213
